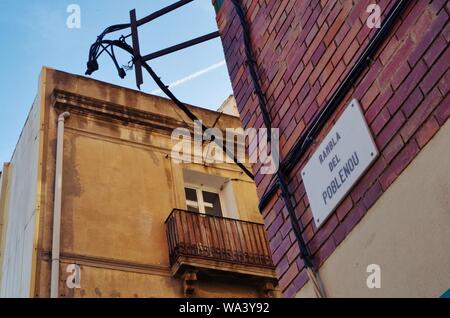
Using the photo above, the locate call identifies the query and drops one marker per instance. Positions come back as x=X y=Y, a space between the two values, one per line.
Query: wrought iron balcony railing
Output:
x=221 y=240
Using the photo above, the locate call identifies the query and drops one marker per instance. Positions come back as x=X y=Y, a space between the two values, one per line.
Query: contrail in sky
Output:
x=192 y=76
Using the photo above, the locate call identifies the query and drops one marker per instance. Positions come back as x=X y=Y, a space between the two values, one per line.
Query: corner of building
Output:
x=405 y=238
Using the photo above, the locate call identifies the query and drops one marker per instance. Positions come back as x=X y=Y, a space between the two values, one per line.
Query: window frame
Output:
x=201 y=203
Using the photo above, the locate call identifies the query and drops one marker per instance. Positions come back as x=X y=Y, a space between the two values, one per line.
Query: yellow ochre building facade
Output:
x=134 y=222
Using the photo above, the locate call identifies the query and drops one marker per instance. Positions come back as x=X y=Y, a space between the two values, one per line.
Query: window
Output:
x=203 y=201
x=209 y=194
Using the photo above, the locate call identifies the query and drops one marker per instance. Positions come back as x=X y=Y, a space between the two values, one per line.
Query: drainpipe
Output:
x=54 y=285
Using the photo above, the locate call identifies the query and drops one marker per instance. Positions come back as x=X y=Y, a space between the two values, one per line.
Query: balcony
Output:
x=202 y=242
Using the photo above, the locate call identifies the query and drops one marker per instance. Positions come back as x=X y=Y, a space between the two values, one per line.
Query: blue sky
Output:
x=34 y=33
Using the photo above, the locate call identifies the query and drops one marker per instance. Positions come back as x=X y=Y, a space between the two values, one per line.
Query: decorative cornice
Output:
x=120 y=114
x=107 y=111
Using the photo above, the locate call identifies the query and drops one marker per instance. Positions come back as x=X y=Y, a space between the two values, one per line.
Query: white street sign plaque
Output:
x=339 y=161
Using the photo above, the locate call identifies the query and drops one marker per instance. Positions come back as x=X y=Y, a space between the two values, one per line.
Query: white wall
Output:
x=17 y=261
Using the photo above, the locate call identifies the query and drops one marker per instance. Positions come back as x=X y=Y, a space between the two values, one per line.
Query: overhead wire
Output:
x=92 y=66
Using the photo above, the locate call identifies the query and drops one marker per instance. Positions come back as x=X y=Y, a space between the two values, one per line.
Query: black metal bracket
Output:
x=181 y=46
x=134 y=24
x=136 y=49
x=103 y=45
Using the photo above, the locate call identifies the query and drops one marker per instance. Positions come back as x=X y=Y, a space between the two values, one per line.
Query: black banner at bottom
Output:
x=221 y=307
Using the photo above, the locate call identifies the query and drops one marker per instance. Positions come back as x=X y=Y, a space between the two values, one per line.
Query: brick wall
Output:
x=303 y=50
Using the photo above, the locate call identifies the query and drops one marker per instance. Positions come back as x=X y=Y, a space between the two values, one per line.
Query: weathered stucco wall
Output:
x=21 y=210
x=406 y=232
x=119 y=186
x=4 y=198
x=1 y=183
x=115 y=200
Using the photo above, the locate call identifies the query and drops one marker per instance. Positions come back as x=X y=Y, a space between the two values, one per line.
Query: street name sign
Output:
x=339 y=161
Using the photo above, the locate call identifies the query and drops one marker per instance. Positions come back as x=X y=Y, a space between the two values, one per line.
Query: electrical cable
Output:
x=281 y=178
x=306 y=140
x=92 y=66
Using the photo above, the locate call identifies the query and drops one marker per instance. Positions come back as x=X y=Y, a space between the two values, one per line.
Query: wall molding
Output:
x=111 y=112
x=110 y=263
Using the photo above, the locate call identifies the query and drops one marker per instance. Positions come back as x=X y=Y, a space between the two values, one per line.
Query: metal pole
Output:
x=162 y=12
x=181 y=46
x=136 y=49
